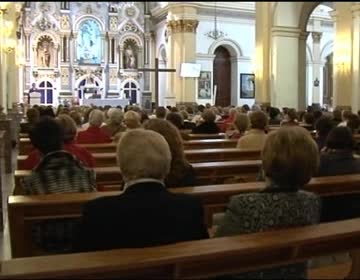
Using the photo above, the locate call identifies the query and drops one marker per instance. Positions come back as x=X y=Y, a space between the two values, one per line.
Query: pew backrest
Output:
x=24 y=211
x=201 y=258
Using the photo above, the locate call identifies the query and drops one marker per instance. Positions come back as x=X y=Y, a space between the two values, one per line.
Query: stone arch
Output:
x=232 y=46
x=132 y=36
x=54 y=37
x=309 y=55
x=86 y=17
x=327 y=49
x=161 y=53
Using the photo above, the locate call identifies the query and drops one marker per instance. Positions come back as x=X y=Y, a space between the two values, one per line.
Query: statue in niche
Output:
x=44 y=51
x=90 y=79
x=130 y=61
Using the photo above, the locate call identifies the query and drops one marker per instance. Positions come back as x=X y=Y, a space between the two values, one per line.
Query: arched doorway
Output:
x=46 y=90
x=222 y=77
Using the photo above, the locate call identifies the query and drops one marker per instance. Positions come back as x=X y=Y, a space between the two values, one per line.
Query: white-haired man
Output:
x=146 y=213
x=93 y=134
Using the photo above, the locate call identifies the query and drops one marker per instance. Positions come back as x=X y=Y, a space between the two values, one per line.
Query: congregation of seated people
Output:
x=295 y=146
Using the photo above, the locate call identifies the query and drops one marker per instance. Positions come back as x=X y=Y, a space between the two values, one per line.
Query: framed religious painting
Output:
x=204 y=85
x=247 y=86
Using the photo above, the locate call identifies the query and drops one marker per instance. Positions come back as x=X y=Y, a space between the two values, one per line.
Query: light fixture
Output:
x=215 y=34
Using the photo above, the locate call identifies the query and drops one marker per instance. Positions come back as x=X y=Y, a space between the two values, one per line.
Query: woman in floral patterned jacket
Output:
x=290 y=158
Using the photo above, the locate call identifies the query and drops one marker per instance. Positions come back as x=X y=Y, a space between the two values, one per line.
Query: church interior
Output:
x=173 y=140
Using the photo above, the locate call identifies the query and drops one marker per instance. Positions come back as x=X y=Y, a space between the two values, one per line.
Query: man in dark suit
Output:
x=146 y=213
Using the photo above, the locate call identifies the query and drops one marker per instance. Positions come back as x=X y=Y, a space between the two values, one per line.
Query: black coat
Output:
x=206 y=128
x=145 y=215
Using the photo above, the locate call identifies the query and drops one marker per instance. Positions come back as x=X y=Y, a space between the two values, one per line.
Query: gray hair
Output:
x=96 y=118
x=115 y=116
x=151 y=161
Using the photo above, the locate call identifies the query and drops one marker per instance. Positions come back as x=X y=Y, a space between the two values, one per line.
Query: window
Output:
x=64 y=5
x=46 y=91
x=130 y=91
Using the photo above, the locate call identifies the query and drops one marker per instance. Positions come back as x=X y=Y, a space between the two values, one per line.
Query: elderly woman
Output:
x=114 y=123
x=241 y=124
x=290 y=158
x=208 y=124
x=181 y=172
x=93 y=134
x=69 y=130
x=255 y=138
x=132 y=120
x=146 y=214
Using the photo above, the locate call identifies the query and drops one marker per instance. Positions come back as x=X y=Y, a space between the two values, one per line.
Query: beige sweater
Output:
x=254 y=139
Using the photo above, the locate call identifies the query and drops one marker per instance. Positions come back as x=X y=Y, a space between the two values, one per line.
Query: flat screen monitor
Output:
x=190 y=70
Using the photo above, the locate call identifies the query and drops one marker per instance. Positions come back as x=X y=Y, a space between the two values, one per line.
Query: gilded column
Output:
x=181 y=48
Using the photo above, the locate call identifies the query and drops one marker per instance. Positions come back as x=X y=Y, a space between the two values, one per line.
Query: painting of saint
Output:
x=89 y=43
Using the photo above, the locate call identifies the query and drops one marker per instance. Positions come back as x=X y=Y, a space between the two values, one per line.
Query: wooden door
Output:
x=222 y=77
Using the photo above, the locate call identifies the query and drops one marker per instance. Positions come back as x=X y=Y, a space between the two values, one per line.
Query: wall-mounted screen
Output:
x=190 y=70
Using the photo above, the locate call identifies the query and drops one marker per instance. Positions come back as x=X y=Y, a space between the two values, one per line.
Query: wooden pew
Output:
x=201 y=155
x=201 y=258
x=207 y=136
x=25 y=146
x=206 y=173
x=23 y=211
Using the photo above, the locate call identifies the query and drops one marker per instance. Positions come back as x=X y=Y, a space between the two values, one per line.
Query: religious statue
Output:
x=44 y=54
x=130 y=60
x=90 y=79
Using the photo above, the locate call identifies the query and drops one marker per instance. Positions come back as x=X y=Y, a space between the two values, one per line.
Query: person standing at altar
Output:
x=32 y=89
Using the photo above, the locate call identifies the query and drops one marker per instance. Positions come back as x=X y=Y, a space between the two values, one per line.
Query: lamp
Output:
x=215 y=34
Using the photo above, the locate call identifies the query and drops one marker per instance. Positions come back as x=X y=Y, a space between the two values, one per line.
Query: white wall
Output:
x=239 y=39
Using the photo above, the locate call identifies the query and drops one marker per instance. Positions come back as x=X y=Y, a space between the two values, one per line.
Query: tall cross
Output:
x=156 y=70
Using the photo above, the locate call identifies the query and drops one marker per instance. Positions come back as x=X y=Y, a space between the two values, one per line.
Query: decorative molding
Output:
x=285 y=31
x=182 y=26
x=316 y=36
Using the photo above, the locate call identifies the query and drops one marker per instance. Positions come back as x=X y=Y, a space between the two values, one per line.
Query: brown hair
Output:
x=258 y=120
x=173 y=137
x=290 y=157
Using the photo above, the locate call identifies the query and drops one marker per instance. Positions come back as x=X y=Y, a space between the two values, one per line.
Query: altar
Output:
x=113 y=102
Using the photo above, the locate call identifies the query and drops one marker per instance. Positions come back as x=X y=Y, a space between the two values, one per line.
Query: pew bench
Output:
x=200 y=155
x=25 y=146
x=25 y=211
x=206 y=173
x=200 y=258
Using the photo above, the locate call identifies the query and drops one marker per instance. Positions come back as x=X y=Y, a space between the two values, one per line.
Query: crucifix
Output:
x=156 y=70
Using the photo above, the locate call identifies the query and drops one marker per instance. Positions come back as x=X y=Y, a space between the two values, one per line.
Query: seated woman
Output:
x=115 y=122
x=93 y=134
x=241 y=124
x=57 y=172
x=181 y=172
x=69 y=129
x=255 y=138
x=132 y=120
x=337 y=156
x=208 y=125
x=290 y=118
x=290 y=158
